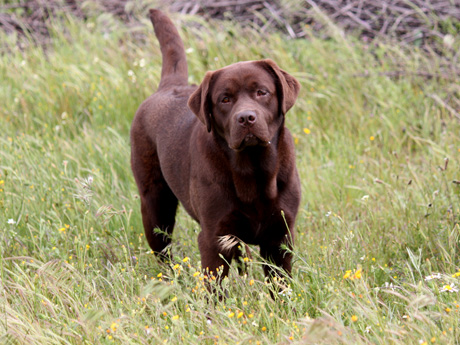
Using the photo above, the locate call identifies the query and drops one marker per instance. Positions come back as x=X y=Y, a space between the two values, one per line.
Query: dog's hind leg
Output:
x=158 y=207
x=158 y=203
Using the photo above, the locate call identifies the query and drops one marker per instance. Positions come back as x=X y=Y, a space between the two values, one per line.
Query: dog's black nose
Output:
x=246 y=118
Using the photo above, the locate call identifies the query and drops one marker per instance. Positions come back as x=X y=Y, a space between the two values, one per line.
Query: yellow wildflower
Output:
x=358 y=273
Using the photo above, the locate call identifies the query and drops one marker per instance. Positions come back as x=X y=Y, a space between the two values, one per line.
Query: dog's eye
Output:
x=261 y=92
x=225 y=99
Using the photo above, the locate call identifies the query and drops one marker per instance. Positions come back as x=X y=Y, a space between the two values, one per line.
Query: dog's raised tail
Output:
x=174 y=71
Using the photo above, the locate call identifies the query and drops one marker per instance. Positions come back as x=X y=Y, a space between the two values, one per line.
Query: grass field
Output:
x=376 y=259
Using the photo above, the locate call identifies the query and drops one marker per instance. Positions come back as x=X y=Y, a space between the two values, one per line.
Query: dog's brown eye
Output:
x=225 y=100
x=261 y=93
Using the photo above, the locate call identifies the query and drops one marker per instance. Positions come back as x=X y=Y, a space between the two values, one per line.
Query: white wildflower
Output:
x=449 y=288
x=433 y=276
x=287 y=291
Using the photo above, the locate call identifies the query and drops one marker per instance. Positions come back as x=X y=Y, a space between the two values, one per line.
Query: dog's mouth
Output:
x=250 y=140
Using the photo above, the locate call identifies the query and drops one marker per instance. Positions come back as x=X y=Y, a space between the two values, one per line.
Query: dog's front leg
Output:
x=277 y=249
x=278 y=257
x=214 y=261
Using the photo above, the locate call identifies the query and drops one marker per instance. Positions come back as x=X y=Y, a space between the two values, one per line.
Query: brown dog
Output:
x=227 y=157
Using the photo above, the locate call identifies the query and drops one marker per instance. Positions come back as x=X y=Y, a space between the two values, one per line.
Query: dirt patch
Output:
x=425 y=23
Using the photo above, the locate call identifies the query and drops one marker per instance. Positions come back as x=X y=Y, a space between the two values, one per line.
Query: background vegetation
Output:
x=376 y=130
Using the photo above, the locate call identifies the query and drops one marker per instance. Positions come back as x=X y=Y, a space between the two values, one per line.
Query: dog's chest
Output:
x=254 y=177
x=256 y=220
x=252 y=188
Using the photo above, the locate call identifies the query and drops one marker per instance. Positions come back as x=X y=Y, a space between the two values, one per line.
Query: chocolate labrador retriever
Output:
x=222 y=150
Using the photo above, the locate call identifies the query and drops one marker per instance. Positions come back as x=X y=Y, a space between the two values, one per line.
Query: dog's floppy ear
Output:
x=287 y=86
x=198 y=101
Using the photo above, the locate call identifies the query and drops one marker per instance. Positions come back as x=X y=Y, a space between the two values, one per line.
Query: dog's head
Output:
x=245 y=103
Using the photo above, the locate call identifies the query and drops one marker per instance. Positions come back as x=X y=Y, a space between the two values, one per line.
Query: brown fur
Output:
x=227 y=157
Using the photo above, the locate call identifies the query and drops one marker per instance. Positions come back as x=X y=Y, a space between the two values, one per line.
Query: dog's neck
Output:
x=253 y=165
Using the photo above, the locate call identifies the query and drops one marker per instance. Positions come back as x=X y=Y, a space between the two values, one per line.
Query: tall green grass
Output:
x=377 y=155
